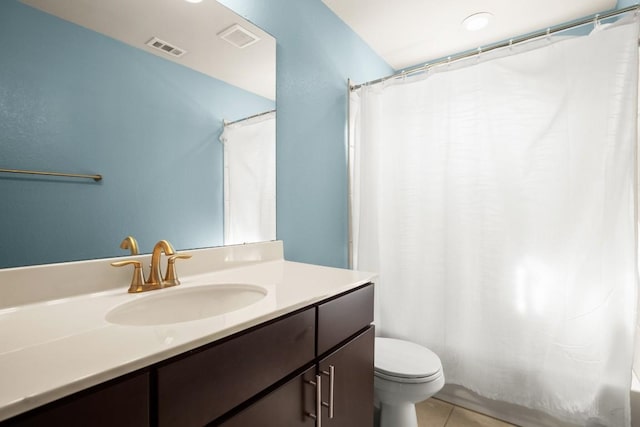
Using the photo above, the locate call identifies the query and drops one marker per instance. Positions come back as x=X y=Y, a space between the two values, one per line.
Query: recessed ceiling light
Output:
x=194 y=1
x=477 y=21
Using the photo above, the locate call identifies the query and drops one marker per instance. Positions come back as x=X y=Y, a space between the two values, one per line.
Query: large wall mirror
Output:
x=133 y=90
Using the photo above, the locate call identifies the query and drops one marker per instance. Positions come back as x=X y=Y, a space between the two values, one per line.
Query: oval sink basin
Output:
x=182 y=305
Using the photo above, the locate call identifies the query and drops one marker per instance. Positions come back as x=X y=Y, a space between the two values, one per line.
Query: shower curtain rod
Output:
x=226 y=123
x=507 y=43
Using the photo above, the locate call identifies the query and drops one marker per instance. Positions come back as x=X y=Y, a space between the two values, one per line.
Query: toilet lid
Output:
x=405 y=359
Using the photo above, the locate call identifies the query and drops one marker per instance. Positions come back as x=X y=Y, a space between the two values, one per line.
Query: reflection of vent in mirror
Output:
x=238 y=36
x=165 y=47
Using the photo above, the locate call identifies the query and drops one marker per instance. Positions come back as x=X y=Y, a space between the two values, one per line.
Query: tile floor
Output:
x=437 y=413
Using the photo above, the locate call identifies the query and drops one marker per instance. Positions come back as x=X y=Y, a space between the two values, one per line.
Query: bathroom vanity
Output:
x=303 y=355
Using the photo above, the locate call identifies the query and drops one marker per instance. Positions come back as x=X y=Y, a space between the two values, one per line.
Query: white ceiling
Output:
x=410 y=32
x=193 y=27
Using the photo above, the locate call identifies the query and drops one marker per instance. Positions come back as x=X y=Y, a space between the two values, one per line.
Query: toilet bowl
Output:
x=405 y=373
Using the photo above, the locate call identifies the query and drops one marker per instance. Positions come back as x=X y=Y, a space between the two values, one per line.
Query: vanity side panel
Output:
x=124 y=403
x=344 y=316
x=201 y=387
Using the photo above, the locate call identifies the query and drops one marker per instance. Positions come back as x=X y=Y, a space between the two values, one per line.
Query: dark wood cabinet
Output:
x=265 y=376
x=344 y=372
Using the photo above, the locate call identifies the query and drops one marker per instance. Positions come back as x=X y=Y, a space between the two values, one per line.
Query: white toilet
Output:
x=405 y=373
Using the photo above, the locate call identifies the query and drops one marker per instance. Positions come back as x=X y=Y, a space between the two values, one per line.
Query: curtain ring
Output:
x=427 y=70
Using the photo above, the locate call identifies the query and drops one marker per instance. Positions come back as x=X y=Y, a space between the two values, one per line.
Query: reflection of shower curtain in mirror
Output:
x=496 y=200
x=250 y=180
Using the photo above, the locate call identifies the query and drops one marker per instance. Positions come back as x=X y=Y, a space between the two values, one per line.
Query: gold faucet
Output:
x=155 y=280
x=130 y=243
x=155 y=275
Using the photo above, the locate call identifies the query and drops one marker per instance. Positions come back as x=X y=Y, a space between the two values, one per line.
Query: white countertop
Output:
x=51 y=349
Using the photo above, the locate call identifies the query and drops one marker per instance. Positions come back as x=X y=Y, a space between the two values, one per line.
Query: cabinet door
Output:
x=287 y=406
x=352 y=383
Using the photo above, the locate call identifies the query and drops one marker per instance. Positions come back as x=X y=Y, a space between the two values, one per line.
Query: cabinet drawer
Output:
x=202 y=386
x=122 y=403
x=340 y=318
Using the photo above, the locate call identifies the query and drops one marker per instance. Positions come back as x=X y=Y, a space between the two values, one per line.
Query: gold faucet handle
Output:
x=137 y=281
x=171 y=277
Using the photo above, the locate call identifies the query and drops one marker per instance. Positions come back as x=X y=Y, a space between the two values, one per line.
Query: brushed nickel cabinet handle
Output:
x=318 y=415
x=331 y=374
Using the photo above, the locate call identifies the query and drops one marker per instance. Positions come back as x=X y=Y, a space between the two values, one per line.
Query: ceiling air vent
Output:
x=238 y=36
x=165 y=47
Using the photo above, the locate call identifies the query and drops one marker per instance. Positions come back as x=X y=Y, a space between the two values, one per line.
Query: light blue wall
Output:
x=626 y=3
x=75 y=101
x=166 y=179
x=316 y=54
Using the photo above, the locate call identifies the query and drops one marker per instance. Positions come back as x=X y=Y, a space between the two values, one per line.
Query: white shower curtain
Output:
x=495 y=197
x=250 y=180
